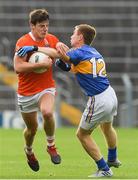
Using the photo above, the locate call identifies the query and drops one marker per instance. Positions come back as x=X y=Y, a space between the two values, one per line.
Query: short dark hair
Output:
x=38 y=15
x=88 y=32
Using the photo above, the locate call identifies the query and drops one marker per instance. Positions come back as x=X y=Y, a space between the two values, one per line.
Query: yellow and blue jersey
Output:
x=89 y=68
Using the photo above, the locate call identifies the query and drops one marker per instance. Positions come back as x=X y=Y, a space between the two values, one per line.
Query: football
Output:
x=38 y=57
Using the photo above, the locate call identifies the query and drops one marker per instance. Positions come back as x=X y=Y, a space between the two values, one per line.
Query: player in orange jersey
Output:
x=36 y=92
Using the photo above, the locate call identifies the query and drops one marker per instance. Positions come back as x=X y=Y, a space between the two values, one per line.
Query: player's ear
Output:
x=31 y=25
x=81 y=37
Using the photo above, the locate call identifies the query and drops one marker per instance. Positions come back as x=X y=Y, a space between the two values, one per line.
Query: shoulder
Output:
x=74 y=56
x=51 y=36
x=52 y=40
x=74 y=51
x=23 y=38
x=91 y=52
x=22 y=41
x=95 y=51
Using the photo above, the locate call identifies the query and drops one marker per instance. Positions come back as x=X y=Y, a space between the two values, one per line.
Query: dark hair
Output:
x=38 y=15
x=88 y=32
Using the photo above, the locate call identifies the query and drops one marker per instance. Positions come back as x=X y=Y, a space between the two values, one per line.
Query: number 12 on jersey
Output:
x=98 y=67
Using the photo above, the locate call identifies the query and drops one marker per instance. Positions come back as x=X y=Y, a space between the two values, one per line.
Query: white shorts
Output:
x=30 y=103
x=100 y=108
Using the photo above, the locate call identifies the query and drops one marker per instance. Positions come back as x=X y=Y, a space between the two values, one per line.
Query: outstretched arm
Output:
x=53 y=53
x=49 y=51
x=63 y=61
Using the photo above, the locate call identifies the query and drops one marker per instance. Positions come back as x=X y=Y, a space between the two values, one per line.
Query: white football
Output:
x=38 y=57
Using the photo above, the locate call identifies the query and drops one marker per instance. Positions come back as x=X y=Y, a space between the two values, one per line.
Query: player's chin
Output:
x=71 y=42
x=43 y=35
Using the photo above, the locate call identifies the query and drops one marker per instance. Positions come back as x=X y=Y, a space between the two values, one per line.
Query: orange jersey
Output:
x=31 y=83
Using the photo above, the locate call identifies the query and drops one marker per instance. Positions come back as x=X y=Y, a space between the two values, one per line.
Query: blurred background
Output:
x=116 y=22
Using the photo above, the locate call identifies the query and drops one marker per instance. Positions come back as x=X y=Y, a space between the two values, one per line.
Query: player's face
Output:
x=75 y=38
x=40 y=29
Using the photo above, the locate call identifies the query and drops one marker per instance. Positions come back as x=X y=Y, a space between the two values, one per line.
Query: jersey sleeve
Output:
x=74 y=56
x=20 y=43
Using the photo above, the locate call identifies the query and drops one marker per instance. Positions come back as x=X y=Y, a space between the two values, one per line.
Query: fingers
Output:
x=21 y=52
x=24 y=50
x=48 y=63
x=62 y=48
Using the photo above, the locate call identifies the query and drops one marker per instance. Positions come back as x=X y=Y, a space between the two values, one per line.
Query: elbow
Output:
x=15 y=69
x=18 y=69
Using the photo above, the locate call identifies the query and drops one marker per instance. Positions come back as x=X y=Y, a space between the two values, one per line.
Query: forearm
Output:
x=21 y=66
x=26 y=67
x=49 y=51
x=53 y=53
x=65 y=58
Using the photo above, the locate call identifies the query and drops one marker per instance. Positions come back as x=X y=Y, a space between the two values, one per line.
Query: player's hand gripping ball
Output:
x=38 y=57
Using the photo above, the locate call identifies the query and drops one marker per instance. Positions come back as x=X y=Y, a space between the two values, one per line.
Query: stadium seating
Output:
x=117 y=34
